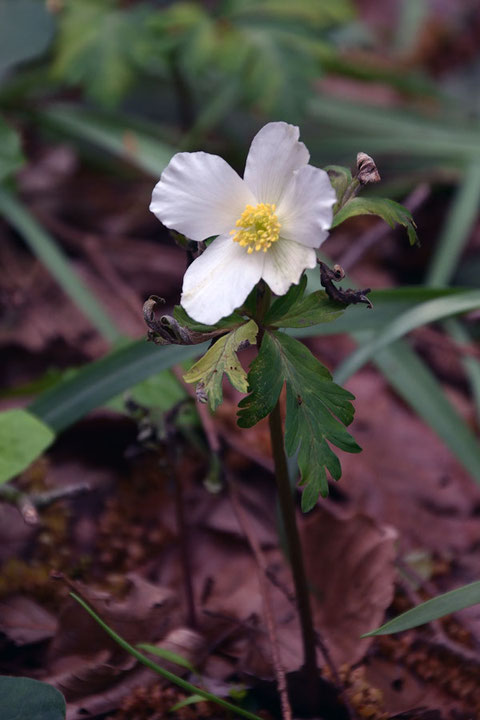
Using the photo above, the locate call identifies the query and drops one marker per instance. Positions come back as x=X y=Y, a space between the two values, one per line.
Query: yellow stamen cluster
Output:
x=258 y=227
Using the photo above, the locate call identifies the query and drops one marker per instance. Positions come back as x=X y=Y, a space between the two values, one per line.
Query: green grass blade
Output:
x=376 y=130
x=422 y=314
x=167 y=655
x=433 y=609
x=180 y=682
x=456 y=229
x=45 y=248
x=414 y=382
x=98 y=382
x=123 y=137
x=460 y=220
x=472 y=366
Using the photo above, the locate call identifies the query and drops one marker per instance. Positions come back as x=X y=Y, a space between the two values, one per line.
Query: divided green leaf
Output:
x=317 y=409
x=392 y=212
x=95 y=48
x=23 y=437
x=22 y=697
x=316 y=308
x=222 y=358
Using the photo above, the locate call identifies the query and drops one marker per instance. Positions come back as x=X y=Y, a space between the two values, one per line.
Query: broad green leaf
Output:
x=26 y=30
x=23 y=437
x=314 y=309
x=161 y=391
x=433 y=609
x=52 y=257
x=167 y=655
x=11 y=157
x=124 y=137
x=422 y=314
x=392 y=212
x=222 y=358
x=22 y=698
x=96 y=383
x=314 y=403
x=171 y=677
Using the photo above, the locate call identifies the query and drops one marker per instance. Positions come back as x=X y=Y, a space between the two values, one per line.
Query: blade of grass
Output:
x=124 y=137
x=378 y=130
x=457 y=228
x=454 y=237
x=433 y=609
x=97 y=382
x=422 y=314
x=180 y=682
x=45 y=248
x=414 y=382
x=471 y=365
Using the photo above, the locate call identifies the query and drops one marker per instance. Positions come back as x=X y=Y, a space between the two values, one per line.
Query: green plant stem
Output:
x=294 y=549
x=188 y=687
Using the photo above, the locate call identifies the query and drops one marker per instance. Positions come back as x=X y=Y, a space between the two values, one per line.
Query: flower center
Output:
x=258 y=227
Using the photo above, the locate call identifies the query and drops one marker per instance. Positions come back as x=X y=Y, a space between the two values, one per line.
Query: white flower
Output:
x=268 y=224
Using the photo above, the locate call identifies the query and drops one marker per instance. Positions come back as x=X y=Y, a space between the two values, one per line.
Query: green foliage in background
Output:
x=262 y=53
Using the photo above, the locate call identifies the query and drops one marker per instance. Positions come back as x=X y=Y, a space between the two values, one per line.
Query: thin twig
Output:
x=264 y=589
x=29 y=504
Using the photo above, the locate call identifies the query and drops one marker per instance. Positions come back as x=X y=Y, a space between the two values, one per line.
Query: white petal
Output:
x=218 y=281
x=275 y=153
x=284 y=263
x=200 y=195
x=306 y=210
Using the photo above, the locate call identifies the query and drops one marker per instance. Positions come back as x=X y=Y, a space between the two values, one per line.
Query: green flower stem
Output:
x=287 y=506
x=294 y=547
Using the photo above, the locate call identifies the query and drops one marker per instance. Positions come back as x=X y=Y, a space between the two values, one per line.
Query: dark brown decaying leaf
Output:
x=350 y=566
x=23 y=621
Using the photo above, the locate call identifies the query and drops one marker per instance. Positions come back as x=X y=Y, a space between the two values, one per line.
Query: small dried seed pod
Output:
x=366 y=169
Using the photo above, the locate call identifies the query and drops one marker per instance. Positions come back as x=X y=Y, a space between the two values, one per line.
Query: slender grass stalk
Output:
x=188 y=687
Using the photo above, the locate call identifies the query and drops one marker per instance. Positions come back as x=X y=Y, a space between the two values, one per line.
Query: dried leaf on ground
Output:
x=350 y=567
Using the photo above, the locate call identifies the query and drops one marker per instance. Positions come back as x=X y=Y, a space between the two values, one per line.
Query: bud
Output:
x=366 y=169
